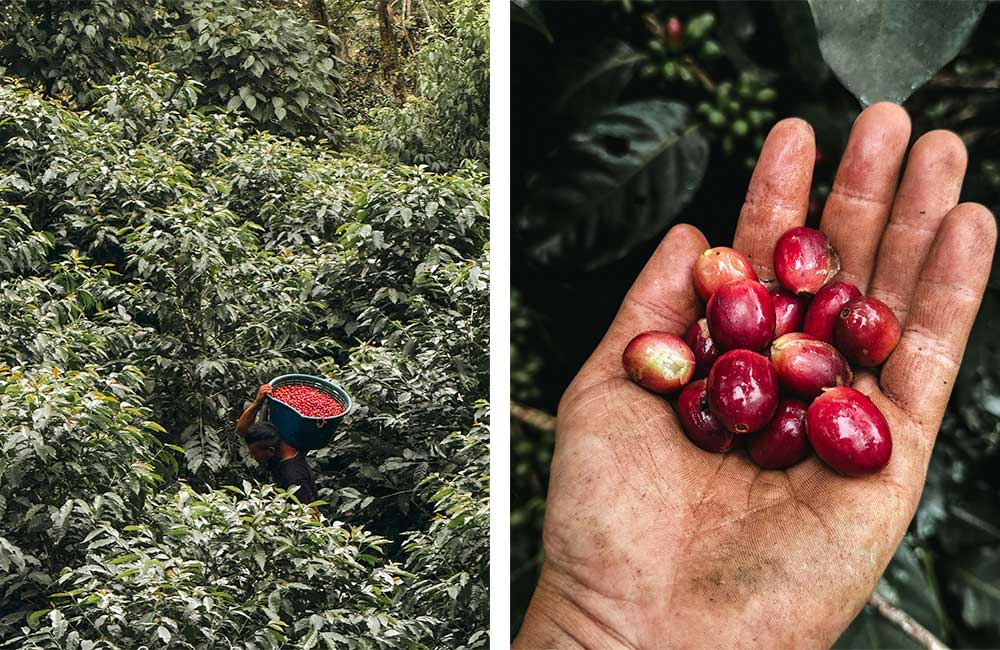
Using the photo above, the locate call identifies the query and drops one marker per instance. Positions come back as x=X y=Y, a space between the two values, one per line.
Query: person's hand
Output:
x=651 y=542
x=264 y=390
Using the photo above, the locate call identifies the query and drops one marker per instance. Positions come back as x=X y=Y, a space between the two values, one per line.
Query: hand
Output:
x=265 y=389
x=651 y=542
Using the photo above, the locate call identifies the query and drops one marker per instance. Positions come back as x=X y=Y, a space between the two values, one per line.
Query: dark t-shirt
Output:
x=295 y=471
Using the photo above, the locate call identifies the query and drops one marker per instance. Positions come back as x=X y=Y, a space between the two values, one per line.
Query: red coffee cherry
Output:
x=806 y=365
x=699 y=339
x=659 y=361
x=743 y=391
x=848 y=432
x=741 y=315
x=698 y=422
x=308 y=401
x=718 y=266
x=783 y=442
x=867 y=331
x=824 y=310
x=789 y=311
x=804 y=260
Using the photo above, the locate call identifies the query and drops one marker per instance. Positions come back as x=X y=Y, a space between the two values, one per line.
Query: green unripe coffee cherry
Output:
x=670 y=70
x=716 y=118
x=685 y=74
x=766 y=95
x=733 y=107
x=740 y=128
x=711 y=50
x=698 y=26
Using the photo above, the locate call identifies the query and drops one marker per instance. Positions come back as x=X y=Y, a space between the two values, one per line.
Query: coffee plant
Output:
x=161 y=258
x=629 y=116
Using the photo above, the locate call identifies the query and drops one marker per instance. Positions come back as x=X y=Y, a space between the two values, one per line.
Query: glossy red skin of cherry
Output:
x=848 y=432
x=659 y=361
x=806 y=365
x=718 y=266
x=866 y=331
x=783 y=442
x=804 y=260
x=743 y=391
x=700 y=425
x=741 y=315
x=789 y=311
x=699 y=339
x=825 y=307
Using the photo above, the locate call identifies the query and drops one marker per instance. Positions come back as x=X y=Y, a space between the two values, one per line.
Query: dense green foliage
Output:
x=579 y=70
x=161 y=258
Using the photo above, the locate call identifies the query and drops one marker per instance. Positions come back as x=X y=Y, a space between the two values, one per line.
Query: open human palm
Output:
x=651 y=542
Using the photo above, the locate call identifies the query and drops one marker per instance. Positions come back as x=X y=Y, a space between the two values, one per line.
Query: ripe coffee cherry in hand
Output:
x=783 y=442
x=824 y=309
x=804 y=260
x=698 y=422
x=718 y=266
x=699 y=339
x=308 y=401
x=867 y=331
x=741 y=315
x=789 y=311
x=848 y=432
x=659 y=361
x=743 y=391
x=806 y=365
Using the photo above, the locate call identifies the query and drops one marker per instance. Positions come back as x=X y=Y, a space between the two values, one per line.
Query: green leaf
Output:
x=975 y=579
x=527 y=13
x=883 y=50
x=595 y=82
x=799 y=32
x=617 y=182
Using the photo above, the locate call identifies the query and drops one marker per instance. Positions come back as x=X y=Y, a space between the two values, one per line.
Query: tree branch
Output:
x=533 y=417
x=543 y=421
x=914 y=630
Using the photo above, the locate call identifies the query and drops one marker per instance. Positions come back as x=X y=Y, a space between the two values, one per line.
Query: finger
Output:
x=662 y=298
x=778 y=196
x=919 y=374
x=930 y=188
x=858 y=206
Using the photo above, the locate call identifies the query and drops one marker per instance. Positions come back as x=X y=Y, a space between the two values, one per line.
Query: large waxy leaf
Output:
x=883 y=50
x=616 y=182
x=595 y=81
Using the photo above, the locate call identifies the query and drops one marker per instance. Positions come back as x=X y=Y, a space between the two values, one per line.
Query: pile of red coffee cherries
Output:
x=811 y=330
x=308 y=401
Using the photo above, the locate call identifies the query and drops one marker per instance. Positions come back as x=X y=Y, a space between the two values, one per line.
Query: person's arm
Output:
x=250 y=415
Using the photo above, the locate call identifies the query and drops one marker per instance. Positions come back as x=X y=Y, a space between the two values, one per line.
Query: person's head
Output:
x=263 y=441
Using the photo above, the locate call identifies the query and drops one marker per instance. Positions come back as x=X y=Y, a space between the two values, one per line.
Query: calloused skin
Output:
x=651 y=542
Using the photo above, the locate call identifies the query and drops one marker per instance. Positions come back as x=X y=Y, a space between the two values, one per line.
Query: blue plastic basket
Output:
x=301 y=431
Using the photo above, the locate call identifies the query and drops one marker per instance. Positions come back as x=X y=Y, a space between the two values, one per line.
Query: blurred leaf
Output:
x=527 y=13
x=596 y=81
x=975 y=579
x=883 y=50
x=617 y=181
x=799 y=32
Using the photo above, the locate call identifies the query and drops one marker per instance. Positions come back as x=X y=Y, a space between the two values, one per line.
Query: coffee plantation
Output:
x=160 y=258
